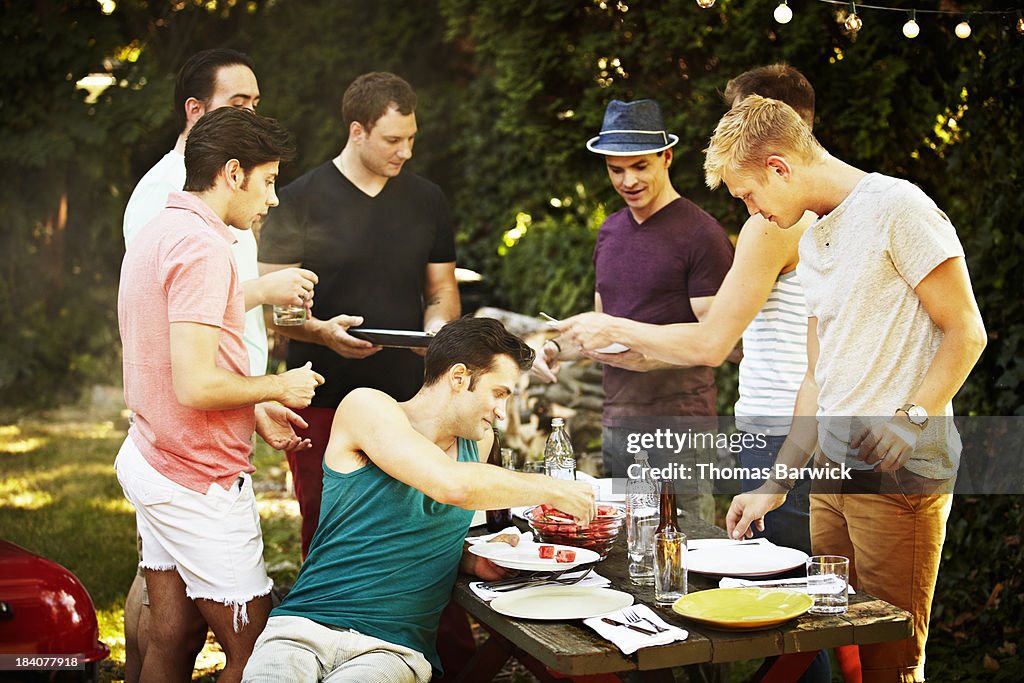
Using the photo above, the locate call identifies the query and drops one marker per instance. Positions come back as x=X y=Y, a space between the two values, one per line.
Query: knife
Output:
x=639 y=629
x=725 y=545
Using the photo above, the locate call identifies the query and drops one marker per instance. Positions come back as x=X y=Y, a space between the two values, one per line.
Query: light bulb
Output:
x=783 y=14
x=963 y=30
x=1020 y=25
x=853 y=23
x=911 y=29
x=705 y=4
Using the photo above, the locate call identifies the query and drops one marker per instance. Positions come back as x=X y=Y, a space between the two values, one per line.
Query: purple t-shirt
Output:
x=649 y=272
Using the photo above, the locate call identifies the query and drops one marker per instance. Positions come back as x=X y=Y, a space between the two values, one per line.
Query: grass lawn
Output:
x=59 y=498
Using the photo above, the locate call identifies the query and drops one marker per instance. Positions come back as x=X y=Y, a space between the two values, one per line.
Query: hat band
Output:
x=633 y=136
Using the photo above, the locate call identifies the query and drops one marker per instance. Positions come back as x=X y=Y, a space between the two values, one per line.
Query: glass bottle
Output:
x=670 y=561
x=641 y=520
x=667 y=508
x=558 y=455
x=501 y=518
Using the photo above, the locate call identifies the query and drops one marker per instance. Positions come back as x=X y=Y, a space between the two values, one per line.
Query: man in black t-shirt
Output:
x=382 y=243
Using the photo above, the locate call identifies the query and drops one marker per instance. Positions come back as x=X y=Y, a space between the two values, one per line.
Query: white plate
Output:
x=744 y=560
x=526 y=556
x=614 y=347
x=561 y=602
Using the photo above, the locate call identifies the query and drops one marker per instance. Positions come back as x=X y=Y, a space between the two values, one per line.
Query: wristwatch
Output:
x=916 y=414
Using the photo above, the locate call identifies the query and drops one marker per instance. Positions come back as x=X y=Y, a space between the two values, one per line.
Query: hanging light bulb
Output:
x=1020 y=23
x=963 y=30
x=783 y=14
x=911 y=29
x=853 y=22
x=705 y=4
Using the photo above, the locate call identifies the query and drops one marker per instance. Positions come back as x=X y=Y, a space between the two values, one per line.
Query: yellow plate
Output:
x=742 y=608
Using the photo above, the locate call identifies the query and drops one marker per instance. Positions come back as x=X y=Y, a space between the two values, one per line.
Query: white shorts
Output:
x=212 y=540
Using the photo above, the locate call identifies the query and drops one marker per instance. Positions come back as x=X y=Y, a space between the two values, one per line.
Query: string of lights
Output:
x=783 y=14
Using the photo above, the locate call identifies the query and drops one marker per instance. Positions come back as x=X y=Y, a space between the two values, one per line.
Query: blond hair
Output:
x=752 y=131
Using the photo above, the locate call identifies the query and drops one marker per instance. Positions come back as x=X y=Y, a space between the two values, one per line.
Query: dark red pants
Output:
x=308 y=469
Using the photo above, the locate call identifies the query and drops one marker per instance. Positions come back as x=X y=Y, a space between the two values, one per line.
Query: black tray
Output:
x=402 y=339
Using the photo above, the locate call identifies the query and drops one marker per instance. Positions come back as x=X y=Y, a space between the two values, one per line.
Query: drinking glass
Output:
x=828 y=579
x=287 y=316
x=669 y=566
x=641 y=551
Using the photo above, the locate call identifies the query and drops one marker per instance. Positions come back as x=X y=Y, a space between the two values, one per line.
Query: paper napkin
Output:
x=628 y=640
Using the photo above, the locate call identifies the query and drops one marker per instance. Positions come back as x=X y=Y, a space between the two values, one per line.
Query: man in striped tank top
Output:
x=760 y=299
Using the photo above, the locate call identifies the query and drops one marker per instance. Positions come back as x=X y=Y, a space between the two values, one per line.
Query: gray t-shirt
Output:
x=859 y=266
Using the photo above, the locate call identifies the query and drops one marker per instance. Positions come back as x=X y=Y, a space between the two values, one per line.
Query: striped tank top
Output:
x=774 y=360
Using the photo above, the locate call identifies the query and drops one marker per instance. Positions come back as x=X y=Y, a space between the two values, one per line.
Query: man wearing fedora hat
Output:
x=660 y=259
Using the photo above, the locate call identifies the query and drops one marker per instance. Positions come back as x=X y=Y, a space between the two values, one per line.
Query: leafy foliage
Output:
x=980 y=603
x=509 y=92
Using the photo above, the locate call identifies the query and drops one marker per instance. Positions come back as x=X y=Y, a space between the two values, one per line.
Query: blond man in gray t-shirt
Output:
x=894 y=330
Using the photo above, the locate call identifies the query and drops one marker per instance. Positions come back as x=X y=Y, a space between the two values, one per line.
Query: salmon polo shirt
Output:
x=180 y=269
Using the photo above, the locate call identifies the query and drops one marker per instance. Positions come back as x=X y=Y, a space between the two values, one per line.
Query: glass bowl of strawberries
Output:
x=551 y=525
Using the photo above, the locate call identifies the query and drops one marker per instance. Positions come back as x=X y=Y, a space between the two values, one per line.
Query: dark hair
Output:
x=474 y=342
x=778 y=82
x=198 y=77
x=371 y=95
x=231 y=133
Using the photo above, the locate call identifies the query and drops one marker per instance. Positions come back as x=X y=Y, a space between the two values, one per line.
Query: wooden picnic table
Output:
x=555 y=650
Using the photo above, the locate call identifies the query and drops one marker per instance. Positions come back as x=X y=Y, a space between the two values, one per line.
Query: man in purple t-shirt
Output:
x=659 y=260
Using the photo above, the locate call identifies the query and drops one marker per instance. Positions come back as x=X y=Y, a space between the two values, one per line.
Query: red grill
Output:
x=44 y=609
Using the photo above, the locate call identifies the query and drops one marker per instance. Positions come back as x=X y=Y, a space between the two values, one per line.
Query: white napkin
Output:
x=593 y=579
x=628 y=640
x=524 y=536
x=798 y=584
x=702 y=543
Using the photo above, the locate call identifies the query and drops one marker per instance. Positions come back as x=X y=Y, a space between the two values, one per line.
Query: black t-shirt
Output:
x=370 y=255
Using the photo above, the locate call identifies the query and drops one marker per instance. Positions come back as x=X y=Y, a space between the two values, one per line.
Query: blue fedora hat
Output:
x=632 y=128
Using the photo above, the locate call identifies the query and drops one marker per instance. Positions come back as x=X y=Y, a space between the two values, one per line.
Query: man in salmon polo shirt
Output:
x=208 y=80
x=185 y=464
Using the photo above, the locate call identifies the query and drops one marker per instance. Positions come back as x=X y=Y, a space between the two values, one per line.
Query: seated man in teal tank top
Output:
x=401 y=482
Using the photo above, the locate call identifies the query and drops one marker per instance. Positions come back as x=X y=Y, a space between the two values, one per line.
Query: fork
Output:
x=634 y=618
x=551 y=581
x=515 y=580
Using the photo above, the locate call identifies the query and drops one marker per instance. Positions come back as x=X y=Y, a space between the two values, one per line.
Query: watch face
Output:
x=917 y=414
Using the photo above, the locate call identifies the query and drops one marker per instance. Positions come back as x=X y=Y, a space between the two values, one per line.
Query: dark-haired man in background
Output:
x=381 y=238
x=185 y=463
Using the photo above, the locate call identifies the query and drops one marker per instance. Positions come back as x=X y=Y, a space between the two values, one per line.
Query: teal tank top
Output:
x=383 y=560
